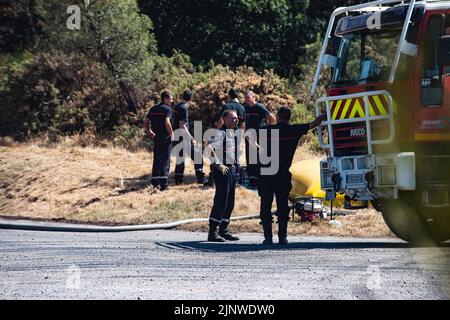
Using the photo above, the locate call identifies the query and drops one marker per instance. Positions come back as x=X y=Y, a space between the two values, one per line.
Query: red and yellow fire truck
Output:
x=387 y=133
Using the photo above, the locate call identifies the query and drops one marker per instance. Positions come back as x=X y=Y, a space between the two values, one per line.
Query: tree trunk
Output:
x=127 y=95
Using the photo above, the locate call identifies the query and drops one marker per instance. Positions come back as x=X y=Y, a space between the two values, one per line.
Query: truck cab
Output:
x=387 y=133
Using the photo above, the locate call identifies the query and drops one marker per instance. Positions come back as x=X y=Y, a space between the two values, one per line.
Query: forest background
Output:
x=99 y=81
x=72 y=101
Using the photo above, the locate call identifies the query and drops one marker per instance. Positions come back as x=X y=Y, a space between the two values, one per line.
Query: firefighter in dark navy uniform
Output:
x=255 y=116
x=159 y=118
x=225 y=175
x=181 y=121
x=232 y=104
x=279 y=184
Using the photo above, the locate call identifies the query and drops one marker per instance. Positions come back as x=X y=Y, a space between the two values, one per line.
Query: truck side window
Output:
x=432 y=91
x=447 y=33
x=404 y=69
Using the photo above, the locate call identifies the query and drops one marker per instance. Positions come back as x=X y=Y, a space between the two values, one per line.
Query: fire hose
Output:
x=45 y=226
x=48 y=226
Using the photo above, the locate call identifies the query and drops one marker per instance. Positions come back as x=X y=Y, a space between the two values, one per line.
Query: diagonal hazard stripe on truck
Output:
x=354 y=108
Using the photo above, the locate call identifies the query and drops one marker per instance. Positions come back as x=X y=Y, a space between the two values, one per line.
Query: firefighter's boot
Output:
x=225 y=233
x=213 y=236
x=210 y=181
x=178 y=179
x=282 y=230
x=200 y=177
x=267 y=228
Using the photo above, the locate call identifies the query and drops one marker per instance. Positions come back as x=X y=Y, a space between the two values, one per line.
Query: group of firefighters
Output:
x=161 y=122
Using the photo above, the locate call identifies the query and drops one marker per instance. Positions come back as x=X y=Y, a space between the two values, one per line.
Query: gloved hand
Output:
x=223 y=169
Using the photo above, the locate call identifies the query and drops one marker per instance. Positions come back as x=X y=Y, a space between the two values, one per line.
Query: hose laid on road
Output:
x=62 y=227
x=43 y=226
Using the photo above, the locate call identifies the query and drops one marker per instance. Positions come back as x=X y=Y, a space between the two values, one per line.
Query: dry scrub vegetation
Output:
x=110 y=186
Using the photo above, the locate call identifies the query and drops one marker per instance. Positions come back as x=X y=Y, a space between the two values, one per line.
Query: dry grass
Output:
x=111 y=186
x=364 y=223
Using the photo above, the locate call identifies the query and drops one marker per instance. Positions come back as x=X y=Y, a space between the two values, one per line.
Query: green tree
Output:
x=113 y=33
x=95 y=76
x=265 y=34
x=20 y=25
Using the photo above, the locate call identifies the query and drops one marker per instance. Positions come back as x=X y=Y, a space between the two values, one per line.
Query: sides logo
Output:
x=358 y=132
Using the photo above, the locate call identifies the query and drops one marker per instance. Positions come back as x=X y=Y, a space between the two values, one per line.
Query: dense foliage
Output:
x=264 y=34
x=103 y=78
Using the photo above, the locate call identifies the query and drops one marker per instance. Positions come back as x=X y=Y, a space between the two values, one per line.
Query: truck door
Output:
x=446 y=73
x=433 y=110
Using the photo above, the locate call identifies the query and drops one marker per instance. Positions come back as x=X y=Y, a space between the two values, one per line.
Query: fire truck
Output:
x=387 y=133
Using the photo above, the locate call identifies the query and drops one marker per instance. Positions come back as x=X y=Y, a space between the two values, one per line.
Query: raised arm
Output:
x=317 y=121
x=271 y=118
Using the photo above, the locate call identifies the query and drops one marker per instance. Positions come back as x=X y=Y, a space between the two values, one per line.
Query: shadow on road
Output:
x=239 y=247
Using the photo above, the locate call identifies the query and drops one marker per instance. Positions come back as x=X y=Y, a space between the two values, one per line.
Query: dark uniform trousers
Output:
x=224 y=196
x=252 y=169
x=161 y=162
x=179 y=168
x=212 y=172
x=280 y=186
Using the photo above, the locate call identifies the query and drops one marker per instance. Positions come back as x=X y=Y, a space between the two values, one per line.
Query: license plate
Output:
x=355 y=178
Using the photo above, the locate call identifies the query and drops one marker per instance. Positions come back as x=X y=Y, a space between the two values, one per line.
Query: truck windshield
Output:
x=365 y=57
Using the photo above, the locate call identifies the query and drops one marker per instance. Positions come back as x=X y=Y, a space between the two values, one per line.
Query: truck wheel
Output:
x=403 y=220
x=437 y=222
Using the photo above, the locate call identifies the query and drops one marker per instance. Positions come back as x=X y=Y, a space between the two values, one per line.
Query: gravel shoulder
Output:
x=172 y=264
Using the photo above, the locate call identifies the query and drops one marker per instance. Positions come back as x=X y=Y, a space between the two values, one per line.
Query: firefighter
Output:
x=255 y=116
x=181 y=121
x=232 y=104
x=225 y=152
x=161 y=132
x=280 y=183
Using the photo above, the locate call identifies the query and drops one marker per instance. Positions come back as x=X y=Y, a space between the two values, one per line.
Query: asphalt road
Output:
x=181 y=265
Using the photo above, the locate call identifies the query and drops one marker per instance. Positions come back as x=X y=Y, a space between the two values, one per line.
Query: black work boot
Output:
x=155 y=183
x=210 y=181
x=267 y=228
x=200 y=177
x=267 y=239
x=282 y=230
x=178 y=180
x=226 y=234
x=213 y=236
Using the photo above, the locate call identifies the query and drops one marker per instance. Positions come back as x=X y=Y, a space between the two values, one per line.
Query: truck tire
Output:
x=437 y=222
x=403 y=219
